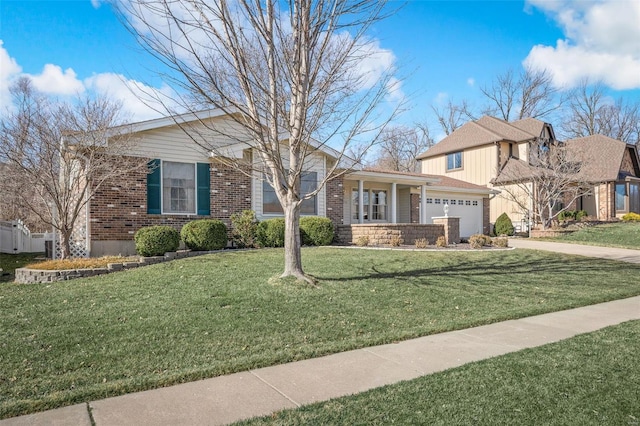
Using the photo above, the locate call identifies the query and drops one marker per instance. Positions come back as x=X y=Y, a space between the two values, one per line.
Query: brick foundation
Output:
x=451 y=227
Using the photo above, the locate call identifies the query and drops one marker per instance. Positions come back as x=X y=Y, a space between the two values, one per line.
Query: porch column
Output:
x=394 y=202
x=360 y=201
x=423 y=204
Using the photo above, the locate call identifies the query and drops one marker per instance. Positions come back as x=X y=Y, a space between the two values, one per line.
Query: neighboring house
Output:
x=481 y=151
x=187 y=182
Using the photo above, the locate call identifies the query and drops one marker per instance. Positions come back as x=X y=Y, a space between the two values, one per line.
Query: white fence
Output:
x=15 y=238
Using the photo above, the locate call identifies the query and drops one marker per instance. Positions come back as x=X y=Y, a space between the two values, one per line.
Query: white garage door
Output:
x=468 y=209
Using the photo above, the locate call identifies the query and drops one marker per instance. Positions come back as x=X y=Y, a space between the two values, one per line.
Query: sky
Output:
x=443 y=50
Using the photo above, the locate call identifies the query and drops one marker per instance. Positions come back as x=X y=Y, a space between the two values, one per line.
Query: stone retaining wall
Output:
x=383 y=233
x=35 y=276
x=549 y=233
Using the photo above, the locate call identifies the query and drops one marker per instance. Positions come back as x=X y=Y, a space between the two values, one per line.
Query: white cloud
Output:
x=9 y=69
x=601 y=42
x=54 y=81
x=96 y=3
x=471 y=81
x=139 y=101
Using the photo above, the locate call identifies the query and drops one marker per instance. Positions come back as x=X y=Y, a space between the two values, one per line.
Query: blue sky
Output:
x=445 y=49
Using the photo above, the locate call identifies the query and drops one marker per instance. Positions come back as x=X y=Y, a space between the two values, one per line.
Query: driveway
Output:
x=624 y=255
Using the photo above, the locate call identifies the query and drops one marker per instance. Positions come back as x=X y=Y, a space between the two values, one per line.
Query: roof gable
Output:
x=484 y=131
x=601 y=156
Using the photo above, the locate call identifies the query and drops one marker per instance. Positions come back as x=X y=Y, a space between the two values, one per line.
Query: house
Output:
x=489 y=152
x=186 y=181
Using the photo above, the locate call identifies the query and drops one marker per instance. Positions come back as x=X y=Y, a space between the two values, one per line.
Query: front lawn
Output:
x=10 y=262
x=193 y=318
x=619 y=234
x=592 y=379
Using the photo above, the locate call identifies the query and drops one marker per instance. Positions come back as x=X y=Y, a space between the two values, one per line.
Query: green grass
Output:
x=10 y=262
x=621 y=234
x=193 y=318
x=592 y=379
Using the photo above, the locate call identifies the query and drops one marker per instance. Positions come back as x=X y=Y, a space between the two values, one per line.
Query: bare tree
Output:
x=592 y=112
x=452 y=116
x=529 y=94
x=63 y=153
x=399 y=146
x=550 y=184
x=289 y=73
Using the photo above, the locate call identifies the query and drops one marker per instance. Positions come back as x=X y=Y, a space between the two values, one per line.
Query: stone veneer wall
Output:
x=383 y=233
x=451 y=228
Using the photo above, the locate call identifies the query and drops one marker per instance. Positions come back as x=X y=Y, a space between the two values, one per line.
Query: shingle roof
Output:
x=513 y=170
x=601 y=156
x=484 y=131
x=530 y=125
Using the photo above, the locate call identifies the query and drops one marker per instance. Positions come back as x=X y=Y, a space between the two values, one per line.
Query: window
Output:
x=308 y=183
x=467 y=203
x=178 y=188
x=374 y=204
x=454 y=161
x=445 y=201
x=621 y=193
x=453 y=202
x=475 y=203
x=429 y=200
x=437 y=200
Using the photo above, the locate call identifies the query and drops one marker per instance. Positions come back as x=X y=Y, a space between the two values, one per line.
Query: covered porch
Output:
x=378 y=197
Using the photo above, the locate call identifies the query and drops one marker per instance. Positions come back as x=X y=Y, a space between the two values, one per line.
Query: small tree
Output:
x=549 y=185
x=399 y=146
x=63 y=152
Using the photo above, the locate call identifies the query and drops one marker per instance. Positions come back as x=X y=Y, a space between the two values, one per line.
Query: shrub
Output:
x=316 y=231
x=362 y=241
x=631 y=217
x=441 y=241
x=395 y=241
x=421 y=243
x=204 y=234
x=270 y=233
x=566 y=215
x=503 y=225
x=478 y=241
x=156 y=240
x=245 y=228
x=580 y=214
x=501 y=242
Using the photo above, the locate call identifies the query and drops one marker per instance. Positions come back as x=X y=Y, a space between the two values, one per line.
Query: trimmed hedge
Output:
x=156 y=240
x=270 y=233
x=316 y=231
x=204 y=235
x=503 y=225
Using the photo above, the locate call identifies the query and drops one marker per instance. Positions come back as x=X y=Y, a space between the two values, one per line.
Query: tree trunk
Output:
x=65 y=243
x=292 y=243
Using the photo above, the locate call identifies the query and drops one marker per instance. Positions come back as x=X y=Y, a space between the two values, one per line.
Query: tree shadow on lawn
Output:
x=523 y=265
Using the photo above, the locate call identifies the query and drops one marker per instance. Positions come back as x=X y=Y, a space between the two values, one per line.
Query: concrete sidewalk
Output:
x=623 y=255
x=226 y=399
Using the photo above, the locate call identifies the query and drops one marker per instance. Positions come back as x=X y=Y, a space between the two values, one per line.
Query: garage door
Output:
x=468 y=209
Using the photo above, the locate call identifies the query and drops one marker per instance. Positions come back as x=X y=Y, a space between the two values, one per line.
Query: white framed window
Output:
x=437 y=200
x=454 y=161
x=178 y=187
x=429 y=200
x=467 y=202
x=374 y=204
x=475 y=203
